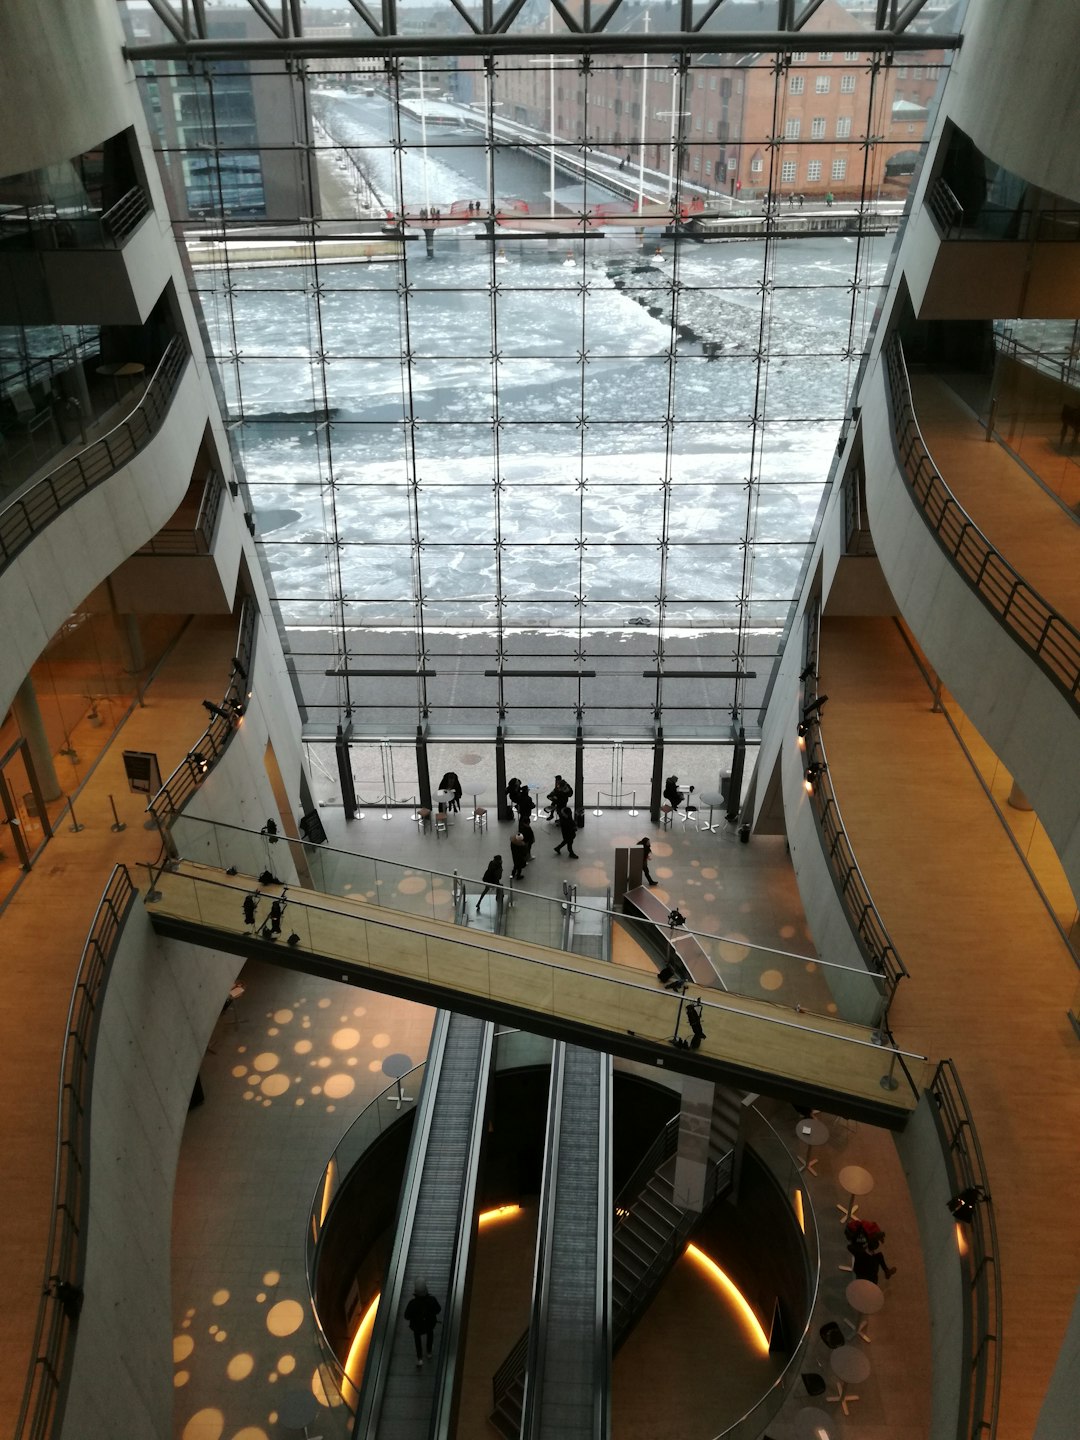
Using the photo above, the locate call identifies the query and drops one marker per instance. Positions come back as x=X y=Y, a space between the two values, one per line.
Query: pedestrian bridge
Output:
x=749 y=1043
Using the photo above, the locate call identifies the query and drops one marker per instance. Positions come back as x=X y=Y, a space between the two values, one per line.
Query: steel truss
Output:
x=488 y=28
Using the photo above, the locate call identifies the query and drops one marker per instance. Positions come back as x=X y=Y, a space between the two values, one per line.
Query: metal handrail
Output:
x=29 y=514
x=1040 y=630
x=981 y=1380
x=121 y=219
x=945 y=208
x=990 y=221
x=193 y=769
x=61 y=1299
x=48 y=228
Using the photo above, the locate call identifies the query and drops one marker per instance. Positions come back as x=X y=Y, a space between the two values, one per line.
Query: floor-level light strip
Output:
x=751 y=1323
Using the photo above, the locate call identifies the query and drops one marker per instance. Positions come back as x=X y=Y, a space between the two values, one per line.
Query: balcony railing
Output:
x=1046 y=225
x=199 y=538
x=28 y=515
x=44 y=227
x=61 y=1299
x=1036 y=627
x=198 y=762
x=981 y=1375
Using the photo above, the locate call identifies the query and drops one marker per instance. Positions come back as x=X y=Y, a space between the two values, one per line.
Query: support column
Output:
x=423 y=774
x=32 y=727
x=692 y=1157
x=656 y=794
x=505 y=809
x=127 y=628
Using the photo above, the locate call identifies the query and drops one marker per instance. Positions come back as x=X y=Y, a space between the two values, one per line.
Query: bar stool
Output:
x=479 y=818
x=423 y=818
x=442 y=822
x=665 y=816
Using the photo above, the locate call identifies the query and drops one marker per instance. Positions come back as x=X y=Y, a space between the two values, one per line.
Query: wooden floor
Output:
x=1038 y=536
x=991 y=978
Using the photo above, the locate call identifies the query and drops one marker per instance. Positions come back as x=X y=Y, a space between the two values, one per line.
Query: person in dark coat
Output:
x=527 y=834
x=450 y=782
x=513 y=791
x=525 y=805
x=674 y=796
x=568 y=826
x=519 y=853
x=250 y=902
x=646 y=850
x=559 y=797
x=492 y=877
x=421 y=1315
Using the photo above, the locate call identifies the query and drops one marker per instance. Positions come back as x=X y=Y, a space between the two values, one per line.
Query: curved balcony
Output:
x=1009 y=656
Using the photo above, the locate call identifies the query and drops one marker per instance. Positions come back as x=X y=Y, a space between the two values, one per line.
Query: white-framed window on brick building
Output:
x=851 y=54
x=817 y=128
x=839 y=168
x=756 y=165
x=789 y=171
x=792 y=128
x=813 y=171
x=797 y=84
x=822 y=84
x=847 y=84
x=824 y=55
x=843 y=127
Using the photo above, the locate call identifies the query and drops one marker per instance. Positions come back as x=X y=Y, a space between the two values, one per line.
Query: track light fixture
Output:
x=962 y=1205
x=199 y=762
x=814 y=773
x=218 y=710
x=814 y=708
x=807 y=670
x=238 y=668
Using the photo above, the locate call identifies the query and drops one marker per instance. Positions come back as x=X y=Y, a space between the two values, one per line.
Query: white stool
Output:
x=479 y=818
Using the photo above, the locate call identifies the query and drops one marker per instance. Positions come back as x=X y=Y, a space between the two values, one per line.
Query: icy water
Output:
x=630 y=453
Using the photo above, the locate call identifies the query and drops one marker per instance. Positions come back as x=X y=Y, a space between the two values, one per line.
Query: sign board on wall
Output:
x=141 y=768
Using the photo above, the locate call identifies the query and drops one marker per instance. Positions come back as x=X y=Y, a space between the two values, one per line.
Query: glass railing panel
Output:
x=536 y=918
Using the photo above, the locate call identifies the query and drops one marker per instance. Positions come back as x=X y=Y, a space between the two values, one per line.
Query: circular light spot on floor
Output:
x=241 y=1049
x=708 y=873
x=330 y=1109
x=302 y=1047
x=266 y=1061
x=240 y=1367
x=182 y=1346
x=255 y=1078
x=282 y=1017
x=239 y=1071
x=412 y=885
x=346 y=1039
x=272 y=1031
x=338 y=1086
x=249 y=1094
x=272 y=1277
x=708 y=897
x=787 y=932
x=770 y=979
x=299 y=1100
x=380 y=1041
x=213 y=1329
x=251 y=1432
x=323 y=1063
x=733 y=954
x=261 y=1297
x=592 y=875
x=324 y=1389
x=287 y=1364
x=661 y=847
x=305 y=1024
x=374 y=1066
x=219 y=1297
x=221 y=1336
x=695 y=864
x=352 y=1060
x=181 y=1378
x=832 y=1007
x=316 y=1089
x=190 y=1311
x=810 y=967
x=285 y=1318
x=324 y=1003
x=184 y=1324
x=360 y=1011
x=204 y=1425
x=665 y=872
x=275 y=1084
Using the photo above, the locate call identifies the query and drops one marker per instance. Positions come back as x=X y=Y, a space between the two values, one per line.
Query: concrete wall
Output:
x=161 y=1004
x=1015 y=707
x=929 y=1189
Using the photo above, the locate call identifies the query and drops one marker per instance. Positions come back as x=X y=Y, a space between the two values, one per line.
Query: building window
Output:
x=847 y=84
x=817 y=128
x=712 y=82
x=839 y=168
x=813 y=171
x=851 y=54
x=797 y=84
x=697 y=162
x=824 y=55
x=843 y=127
x=792 y=128
x=708 y=167
x=901 y=72
x=756 y=165
x=788 y=171
x=822 y=84
x=731 y=163
x=709 y=127
x=697 y=122
x=917 y=72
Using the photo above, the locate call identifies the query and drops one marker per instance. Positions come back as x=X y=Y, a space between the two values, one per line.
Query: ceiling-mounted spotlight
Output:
x=814 y=707
x=807 y=670
x=962 y=1205
x=814 y=773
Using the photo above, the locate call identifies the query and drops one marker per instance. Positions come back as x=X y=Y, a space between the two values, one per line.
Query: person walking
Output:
x=519 y=854
x=568 y=826
x=492 y=877
x=525 y=805
x=528 y=835
x=646 y=850
x=421 y=1315
x=250 y=902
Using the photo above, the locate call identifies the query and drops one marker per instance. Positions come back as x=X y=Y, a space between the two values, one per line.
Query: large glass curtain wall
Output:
x=538 y=384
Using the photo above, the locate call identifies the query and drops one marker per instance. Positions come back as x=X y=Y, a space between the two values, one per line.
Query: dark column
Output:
x=738 y=762
x=423 y=774
x=656 y=796
x=504 y=808
x=579 y=777
x=344 y=769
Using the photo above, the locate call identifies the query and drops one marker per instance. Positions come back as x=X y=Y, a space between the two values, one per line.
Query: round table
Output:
x=865 y=1298
x=394 y=1067
x=850 y=1366
x=813 y=1424
x=855 y=1181
x=811 y=1132
x=444 y=798
x=298 y=1409
x=714 y=800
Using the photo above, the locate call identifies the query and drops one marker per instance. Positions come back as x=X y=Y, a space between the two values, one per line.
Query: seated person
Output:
x=673 y=795
x=558 y=797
